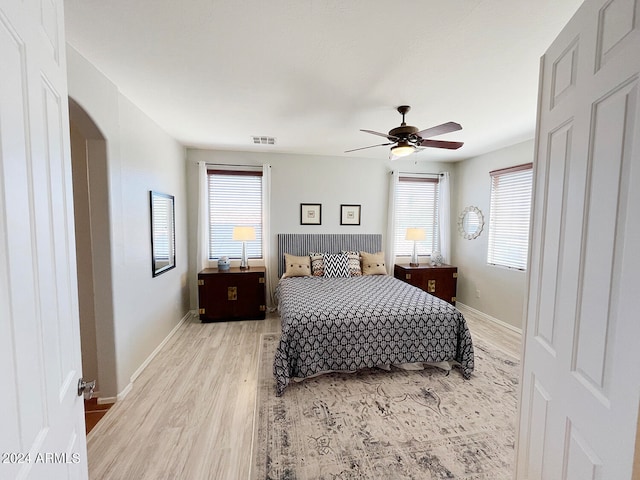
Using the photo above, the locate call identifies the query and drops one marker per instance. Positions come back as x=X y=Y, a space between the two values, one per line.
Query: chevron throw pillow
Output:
x=336 y=265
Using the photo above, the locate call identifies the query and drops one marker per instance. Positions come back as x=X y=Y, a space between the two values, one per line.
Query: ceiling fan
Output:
x=406 y=139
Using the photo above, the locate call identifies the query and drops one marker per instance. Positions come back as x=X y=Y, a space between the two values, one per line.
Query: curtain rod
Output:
x=231 y=165
x=418 y=173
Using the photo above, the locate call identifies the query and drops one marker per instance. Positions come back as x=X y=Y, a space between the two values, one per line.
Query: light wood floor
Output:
x=190 y=413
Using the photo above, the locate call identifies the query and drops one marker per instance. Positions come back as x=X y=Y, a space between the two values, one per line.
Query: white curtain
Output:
x=202 y=259
x=390 y=247
x=444 y=216
x=270 y=265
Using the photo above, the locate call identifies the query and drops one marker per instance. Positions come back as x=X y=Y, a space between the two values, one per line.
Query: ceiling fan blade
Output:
x=370 y=146
x=441 y=144
x=440 y=130
x=390 y=137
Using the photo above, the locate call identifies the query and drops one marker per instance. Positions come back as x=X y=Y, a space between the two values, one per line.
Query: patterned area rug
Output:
x=374 y=424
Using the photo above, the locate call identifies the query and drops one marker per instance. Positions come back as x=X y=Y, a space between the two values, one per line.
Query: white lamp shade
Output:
x=244 y=233
x=415 y=234
x=403 y=150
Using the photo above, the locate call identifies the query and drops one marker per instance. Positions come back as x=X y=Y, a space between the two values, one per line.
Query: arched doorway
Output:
x=93 y=251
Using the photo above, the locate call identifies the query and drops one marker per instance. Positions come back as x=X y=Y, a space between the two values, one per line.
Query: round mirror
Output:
x=470 y=223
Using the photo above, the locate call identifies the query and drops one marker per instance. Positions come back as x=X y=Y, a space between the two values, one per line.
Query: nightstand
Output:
x=440 y=281
x=232 y=294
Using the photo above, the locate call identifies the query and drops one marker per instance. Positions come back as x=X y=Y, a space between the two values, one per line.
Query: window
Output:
x=416 y=206
x=235 y=199
x=509 y=216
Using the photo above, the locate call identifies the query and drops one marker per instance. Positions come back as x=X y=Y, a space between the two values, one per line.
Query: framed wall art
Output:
x=310 y=214
x=349 y=214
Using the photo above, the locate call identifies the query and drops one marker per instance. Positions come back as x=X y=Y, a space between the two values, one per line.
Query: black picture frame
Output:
x=310 y=214
x=350 y=214
x=163 y=232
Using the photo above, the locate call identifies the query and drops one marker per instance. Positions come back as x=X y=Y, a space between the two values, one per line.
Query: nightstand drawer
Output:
x=440 y=281
x=232 y=294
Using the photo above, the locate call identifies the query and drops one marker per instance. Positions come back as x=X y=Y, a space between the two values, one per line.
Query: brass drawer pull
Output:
x=431 y=286
x=232 y=293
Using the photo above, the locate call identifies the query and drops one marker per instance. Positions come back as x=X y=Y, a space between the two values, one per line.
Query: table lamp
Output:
x=415 y=234
x=244 y=234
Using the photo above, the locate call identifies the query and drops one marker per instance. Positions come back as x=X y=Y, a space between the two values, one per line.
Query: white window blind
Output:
x=416 y=206
x=235 y=199
x=509 y=216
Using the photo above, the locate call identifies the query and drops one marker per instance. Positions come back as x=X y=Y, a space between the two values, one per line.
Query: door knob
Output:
x=86 y=388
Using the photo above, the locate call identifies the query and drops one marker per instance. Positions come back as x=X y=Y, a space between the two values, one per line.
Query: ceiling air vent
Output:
x=262 y=140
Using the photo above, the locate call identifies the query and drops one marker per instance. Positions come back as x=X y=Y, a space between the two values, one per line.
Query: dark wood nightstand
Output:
x=440 y=281
x=232 y=294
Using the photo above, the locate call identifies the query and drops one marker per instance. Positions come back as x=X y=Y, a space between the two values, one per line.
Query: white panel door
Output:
x=581 y=368
x=41 y=420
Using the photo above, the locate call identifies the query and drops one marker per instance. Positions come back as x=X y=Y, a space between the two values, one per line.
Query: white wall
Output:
x=501 y=290
x=297 y=179
x=141 y=157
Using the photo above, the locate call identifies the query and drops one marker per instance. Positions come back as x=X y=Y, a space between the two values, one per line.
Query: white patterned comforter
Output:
x=359 y=322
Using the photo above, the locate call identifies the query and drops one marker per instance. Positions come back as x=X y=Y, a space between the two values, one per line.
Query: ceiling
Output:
x=312 y=73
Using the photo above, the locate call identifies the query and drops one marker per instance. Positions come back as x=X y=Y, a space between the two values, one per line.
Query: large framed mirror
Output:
x=163 y=235
x=470 y=223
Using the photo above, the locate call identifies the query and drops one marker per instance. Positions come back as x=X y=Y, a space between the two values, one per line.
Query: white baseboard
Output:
x=147 y=361
x=484 y=316
x=141 y=368
x=125 y=391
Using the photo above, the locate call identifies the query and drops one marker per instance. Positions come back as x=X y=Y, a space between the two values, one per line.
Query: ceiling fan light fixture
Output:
x=403 y=149
x=408 y=138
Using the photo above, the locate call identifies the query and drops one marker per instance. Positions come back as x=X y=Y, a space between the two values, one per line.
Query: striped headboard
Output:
x=303 y=243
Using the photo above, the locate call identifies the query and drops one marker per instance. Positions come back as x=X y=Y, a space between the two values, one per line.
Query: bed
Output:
x=346 y=324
